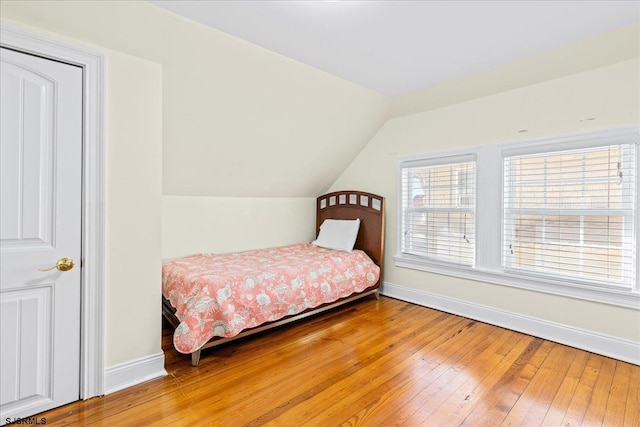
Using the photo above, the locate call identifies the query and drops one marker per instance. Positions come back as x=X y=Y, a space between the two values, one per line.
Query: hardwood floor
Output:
x=377 y=363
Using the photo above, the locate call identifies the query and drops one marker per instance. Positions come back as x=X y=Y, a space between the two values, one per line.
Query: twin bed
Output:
x=211 y=299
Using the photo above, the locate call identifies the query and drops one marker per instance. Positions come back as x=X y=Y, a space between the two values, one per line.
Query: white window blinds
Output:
x=571 y=214
x=438 y=211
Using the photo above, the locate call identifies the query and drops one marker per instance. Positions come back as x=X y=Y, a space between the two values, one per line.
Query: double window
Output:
x=551 y=215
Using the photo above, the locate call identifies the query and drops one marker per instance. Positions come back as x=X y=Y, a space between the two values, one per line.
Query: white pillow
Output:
x=338 y=234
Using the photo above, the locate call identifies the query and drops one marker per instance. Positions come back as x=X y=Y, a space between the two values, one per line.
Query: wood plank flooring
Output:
x=377 y=363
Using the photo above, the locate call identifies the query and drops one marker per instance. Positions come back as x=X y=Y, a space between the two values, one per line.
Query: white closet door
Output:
x=40 y=215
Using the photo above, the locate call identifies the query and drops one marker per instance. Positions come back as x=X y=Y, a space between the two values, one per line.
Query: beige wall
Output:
x=133 y=207
x=218 y=224
x=239 y=120
x=602 y=98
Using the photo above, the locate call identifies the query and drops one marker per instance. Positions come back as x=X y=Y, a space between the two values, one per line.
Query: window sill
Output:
x=575 y=290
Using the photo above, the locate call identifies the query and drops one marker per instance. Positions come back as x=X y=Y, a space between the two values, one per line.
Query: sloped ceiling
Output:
x=238 y=120
x=241 y=120
x=400 y=47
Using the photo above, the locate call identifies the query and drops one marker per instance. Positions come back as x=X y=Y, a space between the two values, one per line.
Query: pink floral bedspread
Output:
x=220 y=295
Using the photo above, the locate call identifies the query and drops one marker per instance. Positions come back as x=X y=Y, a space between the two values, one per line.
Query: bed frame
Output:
x=338 y=205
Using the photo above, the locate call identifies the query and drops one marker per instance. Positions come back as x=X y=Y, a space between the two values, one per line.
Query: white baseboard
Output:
x=134 y=372
x=617 y=348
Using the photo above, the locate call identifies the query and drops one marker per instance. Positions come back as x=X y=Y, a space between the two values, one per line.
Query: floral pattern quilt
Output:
x=222 y=294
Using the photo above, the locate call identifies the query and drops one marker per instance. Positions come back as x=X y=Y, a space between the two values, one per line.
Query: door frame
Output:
x=93 y=145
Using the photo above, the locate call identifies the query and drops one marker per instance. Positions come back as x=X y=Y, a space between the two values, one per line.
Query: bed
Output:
x=211 y=299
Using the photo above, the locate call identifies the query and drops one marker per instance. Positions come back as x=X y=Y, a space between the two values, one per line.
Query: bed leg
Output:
x=195 y=358
x=377 y=294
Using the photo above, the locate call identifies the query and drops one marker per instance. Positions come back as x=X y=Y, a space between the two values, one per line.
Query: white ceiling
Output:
x=398 y=47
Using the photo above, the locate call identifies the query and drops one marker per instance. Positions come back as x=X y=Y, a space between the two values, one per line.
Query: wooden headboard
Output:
x=357 y=204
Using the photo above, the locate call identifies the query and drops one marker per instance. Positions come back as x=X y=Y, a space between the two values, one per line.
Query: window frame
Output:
x=489 y=265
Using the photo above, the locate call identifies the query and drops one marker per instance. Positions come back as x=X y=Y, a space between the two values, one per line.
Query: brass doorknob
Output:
x=63 y=264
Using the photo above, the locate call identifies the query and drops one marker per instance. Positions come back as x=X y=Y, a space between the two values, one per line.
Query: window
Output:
x=438 y=210
x=558 y=215
x=571 y=214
